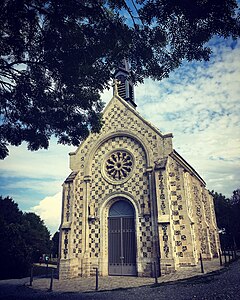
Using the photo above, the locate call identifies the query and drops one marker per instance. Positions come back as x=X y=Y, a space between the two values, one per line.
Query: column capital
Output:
x=160 y=163
x=149 y=169
x=87 y=178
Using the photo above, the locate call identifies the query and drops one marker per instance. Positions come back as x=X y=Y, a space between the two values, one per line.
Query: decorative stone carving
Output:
x=65 y=250
x=119 y=165
x=160 y=163
x=162 y=196
x=165 y=240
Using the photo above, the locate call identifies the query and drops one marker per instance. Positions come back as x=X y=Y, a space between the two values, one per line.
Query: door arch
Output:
x=121 y=239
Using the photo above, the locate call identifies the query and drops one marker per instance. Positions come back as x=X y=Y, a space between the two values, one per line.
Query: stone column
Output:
x=191 y=253
x=163 y=217
x=85 y=222
x=65 y=269
x=207 y=220
x=154 y=218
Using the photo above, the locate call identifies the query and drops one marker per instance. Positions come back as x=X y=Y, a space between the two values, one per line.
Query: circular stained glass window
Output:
x=119 y=165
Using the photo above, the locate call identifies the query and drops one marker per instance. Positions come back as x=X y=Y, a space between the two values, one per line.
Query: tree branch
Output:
x=131 y=15
x=3 y=83
x=136 y=9
x=9 y=65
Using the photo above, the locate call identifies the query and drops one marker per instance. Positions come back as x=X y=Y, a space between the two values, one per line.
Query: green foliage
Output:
x=57 y=56
x=55 y=245
x=222 y=210
x=235 y=217
x=24 y=237
x=9 y=212
x=227 y=215
x=37 y=236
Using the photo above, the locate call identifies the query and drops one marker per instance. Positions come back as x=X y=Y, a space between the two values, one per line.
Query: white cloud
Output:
x=106 y=96
x=41 y=163
x=49 y=209
x=199 y=104
x=41 y=185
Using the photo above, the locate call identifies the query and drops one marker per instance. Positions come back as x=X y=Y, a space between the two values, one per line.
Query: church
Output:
x=132 y=204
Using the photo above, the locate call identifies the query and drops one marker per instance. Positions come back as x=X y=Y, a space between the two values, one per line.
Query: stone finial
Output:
x=115 y=86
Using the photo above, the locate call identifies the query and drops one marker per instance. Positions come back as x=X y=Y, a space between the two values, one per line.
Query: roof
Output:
x=71 y=177
x=177 y=157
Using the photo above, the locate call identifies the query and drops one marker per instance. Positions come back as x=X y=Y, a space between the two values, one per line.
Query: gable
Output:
x=121 y=119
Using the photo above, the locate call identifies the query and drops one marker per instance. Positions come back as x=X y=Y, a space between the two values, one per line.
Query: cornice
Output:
x=177 y=157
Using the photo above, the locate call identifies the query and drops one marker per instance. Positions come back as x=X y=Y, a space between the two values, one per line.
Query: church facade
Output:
x=132 y=203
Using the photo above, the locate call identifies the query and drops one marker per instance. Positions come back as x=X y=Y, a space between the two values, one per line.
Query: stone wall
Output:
x=174 y=215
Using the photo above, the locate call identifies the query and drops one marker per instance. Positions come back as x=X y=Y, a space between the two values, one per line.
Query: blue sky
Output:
x=199 y=103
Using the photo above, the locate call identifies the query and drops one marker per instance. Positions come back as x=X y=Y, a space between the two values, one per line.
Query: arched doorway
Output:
x=121 y=239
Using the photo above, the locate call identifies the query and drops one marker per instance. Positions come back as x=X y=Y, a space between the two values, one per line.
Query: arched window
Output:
x=121 y=208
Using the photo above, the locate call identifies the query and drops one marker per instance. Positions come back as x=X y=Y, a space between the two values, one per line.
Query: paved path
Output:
x=220 y=284
x=116 y=282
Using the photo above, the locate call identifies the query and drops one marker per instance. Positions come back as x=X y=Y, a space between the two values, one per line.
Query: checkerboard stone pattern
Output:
x=175 y=218
x=187 y=224
x=146 y=244
x=136 y=185
x=177 y=210
x=119 y=118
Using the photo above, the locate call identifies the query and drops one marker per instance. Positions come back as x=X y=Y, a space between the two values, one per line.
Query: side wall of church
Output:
x=186 y=217
x=175 y=232
x=207 y=240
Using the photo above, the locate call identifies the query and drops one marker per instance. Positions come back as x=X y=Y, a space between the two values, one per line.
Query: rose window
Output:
x=119 y=165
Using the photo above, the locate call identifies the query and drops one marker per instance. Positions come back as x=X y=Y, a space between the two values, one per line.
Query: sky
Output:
x=199 y=103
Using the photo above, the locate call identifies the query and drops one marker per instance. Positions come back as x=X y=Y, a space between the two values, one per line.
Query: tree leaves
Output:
x=24 y=237
x=57 y=56
x=227 y=215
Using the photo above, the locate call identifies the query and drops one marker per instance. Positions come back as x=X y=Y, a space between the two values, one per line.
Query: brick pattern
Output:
x=118 y=117
x=213 y=216
x=199 y=216
x=94 y=238
x=65 y=242
x=210 y=219
x=188 y=195
x=180 y=238
x=137 y=185
x=190 y=210
x=207 y=209
x=214 y=240
x=67 y=217
x=213 y=243
x=145 y=230
x=78 y=218
x=165 y=241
